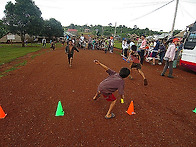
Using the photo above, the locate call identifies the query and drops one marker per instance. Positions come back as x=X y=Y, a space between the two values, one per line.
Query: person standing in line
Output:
x=177 y=54
x=155 y=50
x=112 y=45
x=169 y=57
x=81 y=41
x=131 y=43
x=44 y=42
x=162 y=50
x=142 y=49
x=124 y=48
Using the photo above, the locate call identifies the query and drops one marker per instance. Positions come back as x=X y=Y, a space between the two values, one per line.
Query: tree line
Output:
x=121 y=30
x=24 y=17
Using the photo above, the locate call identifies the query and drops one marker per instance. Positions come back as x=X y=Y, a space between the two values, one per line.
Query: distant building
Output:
x=14 y=38
x=72 y=31
x=86 y=30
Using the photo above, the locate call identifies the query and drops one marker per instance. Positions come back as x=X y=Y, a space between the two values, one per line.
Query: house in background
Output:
x=14 y=38
x=72 y=31
x=87 y=30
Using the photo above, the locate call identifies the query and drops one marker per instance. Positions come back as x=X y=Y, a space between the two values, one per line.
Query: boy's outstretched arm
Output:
x=102 y=65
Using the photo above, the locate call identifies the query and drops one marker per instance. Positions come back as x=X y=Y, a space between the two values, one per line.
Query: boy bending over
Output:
x=110 y=85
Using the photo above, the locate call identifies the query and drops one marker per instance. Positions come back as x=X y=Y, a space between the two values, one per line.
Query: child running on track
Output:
x=69 y=50
x=134 y=59
x=110 y=85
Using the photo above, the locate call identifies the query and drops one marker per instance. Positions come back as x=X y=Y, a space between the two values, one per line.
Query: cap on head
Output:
x=175 y=40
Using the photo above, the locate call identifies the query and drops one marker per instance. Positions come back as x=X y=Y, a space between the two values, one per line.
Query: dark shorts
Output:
x=154 y=54
x=136 y=65
x=110 y=97
x=70 y=56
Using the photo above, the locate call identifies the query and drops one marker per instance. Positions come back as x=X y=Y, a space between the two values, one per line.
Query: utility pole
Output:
x=102 y=31
x=115 y=30
x=171 y=34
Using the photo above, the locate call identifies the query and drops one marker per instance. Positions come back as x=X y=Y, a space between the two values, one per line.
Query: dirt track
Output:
x=30 y=95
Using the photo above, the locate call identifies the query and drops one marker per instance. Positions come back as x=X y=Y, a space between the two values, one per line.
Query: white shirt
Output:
x=82 y=38
x=124 y=44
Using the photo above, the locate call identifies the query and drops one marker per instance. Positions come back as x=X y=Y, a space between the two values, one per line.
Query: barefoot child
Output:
x=69 y=50
x=134 y=59
x=110 y=85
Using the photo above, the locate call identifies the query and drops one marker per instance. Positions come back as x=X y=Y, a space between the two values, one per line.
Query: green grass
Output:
x=21 y=64
x=16 y=66
x=118 y=45
x=11 y=52
x=11 y=69
x=33 y=56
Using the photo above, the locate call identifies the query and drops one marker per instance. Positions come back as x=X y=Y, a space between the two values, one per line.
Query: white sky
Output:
x=123 y=12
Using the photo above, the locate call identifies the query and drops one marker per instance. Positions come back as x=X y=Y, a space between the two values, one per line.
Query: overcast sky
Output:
x=124 y=12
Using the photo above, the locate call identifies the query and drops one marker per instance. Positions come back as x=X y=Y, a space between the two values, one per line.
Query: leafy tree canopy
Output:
x=52 y=28
x=3 y=29
x=23 y=17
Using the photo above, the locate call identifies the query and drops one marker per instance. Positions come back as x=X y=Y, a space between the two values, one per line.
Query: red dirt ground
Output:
x=30 y=96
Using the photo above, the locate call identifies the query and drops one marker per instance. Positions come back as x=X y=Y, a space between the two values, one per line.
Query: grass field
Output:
x=118 y=44
x=10 y=52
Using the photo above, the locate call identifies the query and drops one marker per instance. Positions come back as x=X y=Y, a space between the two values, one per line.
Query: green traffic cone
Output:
x=59 y=110
x=194 y=110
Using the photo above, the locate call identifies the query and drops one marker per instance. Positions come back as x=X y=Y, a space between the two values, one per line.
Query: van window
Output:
x=190 y=42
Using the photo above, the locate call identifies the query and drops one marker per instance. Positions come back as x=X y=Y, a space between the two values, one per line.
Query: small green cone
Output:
x=194 y=110
x=59 y=110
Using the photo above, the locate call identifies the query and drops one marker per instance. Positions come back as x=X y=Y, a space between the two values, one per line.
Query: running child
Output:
x=69 y=50
x=108 y=86
x=134 y=59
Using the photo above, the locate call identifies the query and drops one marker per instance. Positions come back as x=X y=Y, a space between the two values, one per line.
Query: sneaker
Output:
x=162 y=74
x=145 y=82
x=169 y=76
x=160 y=63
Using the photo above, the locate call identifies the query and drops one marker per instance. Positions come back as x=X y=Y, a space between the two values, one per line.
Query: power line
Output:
x=135 y=5
x=152 y=11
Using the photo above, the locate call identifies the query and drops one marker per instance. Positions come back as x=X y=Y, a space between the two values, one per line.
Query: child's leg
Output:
x=153 y=61
x=141 y=73
x=71 y=60
x=97 y=95
x=110 y=109
x=130 y=75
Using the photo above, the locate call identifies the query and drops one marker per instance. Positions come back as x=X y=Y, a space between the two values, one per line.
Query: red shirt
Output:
x=112 y=83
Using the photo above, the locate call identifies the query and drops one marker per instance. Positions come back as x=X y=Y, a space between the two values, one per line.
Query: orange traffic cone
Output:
x=130 y=110
x=2 y=113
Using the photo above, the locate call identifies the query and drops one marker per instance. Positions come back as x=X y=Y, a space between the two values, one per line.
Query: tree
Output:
x=3 y=29
x=23 y=17
x=176 y=32
x=52 y=28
